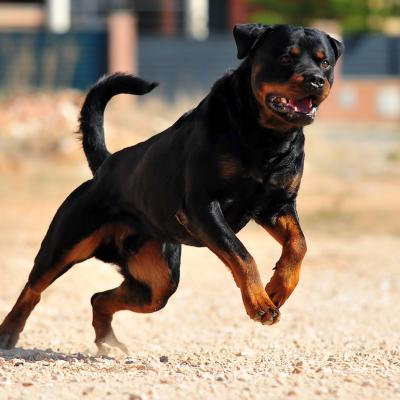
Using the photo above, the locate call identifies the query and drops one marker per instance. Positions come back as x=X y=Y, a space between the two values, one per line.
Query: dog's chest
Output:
x=261 y=175
x=248 y=188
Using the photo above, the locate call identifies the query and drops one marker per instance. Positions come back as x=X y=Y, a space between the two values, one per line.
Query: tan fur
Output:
x=247 y=278
x=297 y=78
x=320 y=55
x=295 y=51
x=148 y=266
x=291 y=89
x=86 y=247
x=287 y=232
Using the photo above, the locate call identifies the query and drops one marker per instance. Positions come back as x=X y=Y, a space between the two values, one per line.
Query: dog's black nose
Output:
x=315 y=81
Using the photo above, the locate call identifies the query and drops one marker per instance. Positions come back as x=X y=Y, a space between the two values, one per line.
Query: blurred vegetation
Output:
x=355 y=16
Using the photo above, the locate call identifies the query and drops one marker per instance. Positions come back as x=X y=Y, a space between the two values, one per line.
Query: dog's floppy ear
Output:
x=247 y=35
x=338 y=47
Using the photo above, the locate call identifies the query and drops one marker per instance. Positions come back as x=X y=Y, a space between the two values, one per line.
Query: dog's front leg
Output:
x=285 y=228
x=207 y=224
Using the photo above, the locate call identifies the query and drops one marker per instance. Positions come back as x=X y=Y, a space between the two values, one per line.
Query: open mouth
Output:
x=304 y=108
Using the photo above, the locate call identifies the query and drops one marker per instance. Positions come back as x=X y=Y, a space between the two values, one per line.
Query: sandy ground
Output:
x=339 y=333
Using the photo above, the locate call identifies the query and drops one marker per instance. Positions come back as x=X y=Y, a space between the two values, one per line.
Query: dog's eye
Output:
x=325 y=64
x=285 y=60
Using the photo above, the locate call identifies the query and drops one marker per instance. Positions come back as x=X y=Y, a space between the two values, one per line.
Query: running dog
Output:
x=238 y=156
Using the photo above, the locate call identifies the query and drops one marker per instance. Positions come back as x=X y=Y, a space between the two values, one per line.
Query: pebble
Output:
x=19 y=363
x=367 y=383
x=88 y=390
x=38 y=357
x=299 y=363
x=297 y=370
x=244 y=353
x=135 y=397
x=164 y=359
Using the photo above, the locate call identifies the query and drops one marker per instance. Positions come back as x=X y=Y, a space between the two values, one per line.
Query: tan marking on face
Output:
x=295 y=51
x=268 y=118
x=263 y=89
x=149 y=267
x=320 y=55
x=291 y=89
x=325 y=92
x=297 y=78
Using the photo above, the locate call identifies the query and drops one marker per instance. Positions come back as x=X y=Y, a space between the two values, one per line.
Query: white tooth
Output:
x=283 y=100
x=313 y=111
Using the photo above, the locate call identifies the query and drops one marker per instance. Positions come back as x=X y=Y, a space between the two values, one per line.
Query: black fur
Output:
x=91 y=118
x=228 y=161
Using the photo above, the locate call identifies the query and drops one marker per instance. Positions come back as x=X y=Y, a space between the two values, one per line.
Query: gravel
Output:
x=338 y=337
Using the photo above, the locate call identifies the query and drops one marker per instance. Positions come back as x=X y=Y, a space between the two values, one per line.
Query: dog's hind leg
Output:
x=73 y=236
x=151 y=277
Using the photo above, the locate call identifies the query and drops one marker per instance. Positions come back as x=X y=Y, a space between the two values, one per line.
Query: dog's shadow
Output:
x=35 y=355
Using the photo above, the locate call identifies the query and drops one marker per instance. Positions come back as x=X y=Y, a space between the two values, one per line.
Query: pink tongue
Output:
x=303 y=106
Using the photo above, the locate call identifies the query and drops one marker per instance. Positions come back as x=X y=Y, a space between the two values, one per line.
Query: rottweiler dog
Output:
x=238 y=156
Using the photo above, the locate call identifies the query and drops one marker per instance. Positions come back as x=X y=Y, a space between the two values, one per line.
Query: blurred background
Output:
x=338 y=322
x=52 y=51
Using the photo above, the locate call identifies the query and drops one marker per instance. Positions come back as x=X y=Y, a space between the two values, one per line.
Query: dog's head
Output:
x=291 y=71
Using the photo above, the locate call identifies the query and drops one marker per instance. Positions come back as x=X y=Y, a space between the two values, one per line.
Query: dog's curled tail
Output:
x=92 y=112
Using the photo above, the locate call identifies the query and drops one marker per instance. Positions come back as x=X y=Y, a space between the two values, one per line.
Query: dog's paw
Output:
x=268 y=317
x=260 y=308
x=8 y=338
x=109 y=342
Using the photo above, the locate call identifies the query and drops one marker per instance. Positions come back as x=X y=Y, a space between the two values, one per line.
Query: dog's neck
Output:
x=232 y=107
